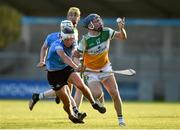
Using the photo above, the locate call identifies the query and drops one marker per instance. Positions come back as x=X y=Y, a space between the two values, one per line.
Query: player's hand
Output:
x=40 y=65
x=80 y=68
x=76 y=54
x=121 y=22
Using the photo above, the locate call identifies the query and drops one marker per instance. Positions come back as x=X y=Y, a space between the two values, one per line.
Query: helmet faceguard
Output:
x=66 y=23
x=67 y=30
x=93 y=22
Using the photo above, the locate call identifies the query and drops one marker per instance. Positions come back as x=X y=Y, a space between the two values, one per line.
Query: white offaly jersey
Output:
x=96 y=48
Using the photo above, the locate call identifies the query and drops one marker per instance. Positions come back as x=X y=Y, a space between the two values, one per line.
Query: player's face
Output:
x=69 y=42
x=98 y=24
x=74 y=17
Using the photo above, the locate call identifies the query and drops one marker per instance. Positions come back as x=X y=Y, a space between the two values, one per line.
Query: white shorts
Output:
x=90 y=76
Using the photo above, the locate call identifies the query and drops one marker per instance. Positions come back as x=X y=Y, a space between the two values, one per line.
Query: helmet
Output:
x=67 y=30
x=66 y=23
x=89 y=19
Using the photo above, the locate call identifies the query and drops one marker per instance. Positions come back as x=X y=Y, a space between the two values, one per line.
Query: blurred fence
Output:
x=152 y=49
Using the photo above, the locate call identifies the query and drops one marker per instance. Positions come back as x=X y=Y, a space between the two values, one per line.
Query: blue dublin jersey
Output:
x=51 y=38
x=54 y=62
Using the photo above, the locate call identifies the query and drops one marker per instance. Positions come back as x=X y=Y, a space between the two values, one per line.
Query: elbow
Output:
x=125 y=37
x=43 y=48
x=123 y=34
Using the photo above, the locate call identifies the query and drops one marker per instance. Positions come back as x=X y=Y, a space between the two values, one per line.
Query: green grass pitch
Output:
x=14 y=114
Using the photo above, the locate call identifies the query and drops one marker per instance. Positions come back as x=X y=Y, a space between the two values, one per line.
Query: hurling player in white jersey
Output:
x=94 y=47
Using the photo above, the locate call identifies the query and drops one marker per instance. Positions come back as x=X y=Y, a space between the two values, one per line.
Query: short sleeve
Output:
x=58 y=45
x=47 y=41
x=59 y=48
x=111 y=33
x=82 y=45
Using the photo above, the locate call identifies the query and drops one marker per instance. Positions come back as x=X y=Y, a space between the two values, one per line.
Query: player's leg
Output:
x=99 y=95
x=49 y=94
x=63 y=94
x=70 y=87
x=80 y=115
x=34 y=99
x=57 y=100
x=77 y=81
x=94 y=84
x=112 y=88
x=96 y=90
x=58 y=82
x=44 y=95
x=78 y=97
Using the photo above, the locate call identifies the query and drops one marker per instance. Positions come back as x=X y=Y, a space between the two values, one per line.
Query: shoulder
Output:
x=109 y=32
x=54 y=34
x=58 y=44
x=108 y=29
x=85 y=37
x=75 y=29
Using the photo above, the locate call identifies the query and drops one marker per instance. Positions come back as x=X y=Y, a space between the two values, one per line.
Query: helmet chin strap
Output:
x=92 y=27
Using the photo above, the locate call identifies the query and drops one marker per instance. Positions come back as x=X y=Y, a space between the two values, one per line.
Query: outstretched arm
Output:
x=43 y=54
x=121 y=34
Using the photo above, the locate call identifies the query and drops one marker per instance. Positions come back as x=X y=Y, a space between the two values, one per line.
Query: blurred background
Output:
x=152 y=47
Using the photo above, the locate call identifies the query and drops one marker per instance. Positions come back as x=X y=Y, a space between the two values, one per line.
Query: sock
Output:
x=121 y=119
x=41 y=96
x=75 y=109
x=120 y=116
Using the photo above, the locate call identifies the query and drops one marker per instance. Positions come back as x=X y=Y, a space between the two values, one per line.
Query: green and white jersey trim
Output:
x=76 y=35
x=97 y=44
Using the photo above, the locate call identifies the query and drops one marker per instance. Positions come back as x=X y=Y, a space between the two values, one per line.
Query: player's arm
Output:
x=67 y=60
x=80 y=48
x=77 y=54
x=121 y=34
x=43 y=54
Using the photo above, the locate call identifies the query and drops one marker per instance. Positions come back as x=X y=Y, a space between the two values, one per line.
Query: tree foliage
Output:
x=10 y=25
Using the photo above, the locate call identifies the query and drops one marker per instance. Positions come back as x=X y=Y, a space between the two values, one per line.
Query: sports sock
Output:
x=75 y=109
x=41 y=96
x=121 y=120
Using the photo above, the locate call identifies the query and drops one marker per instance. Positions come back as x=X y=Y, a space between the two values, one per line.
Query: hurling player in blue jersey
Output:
x=61 y=70
x=74 y=16
x=50 y=93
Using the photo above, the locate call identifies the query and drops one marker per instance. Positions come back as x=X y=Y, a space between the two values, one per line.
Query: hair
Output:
x=74 y=10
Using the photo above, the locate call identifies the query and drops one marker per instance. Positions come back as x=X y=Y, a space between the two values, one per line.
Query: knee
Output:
x=81 y=86
x=99 y=95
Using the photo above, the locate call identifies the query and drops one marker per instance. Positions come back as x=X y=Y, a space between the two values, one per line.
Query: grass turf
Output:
x=14 y=114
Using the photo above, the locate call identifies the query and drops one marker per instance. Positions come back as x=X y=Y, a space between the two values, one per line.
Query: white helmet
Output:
x=67 y=29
